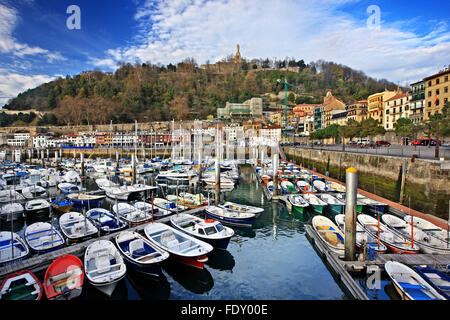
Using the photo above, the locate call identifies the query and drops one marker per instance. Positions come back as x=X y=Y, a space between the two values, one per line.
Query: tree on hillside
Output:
x=178 y=108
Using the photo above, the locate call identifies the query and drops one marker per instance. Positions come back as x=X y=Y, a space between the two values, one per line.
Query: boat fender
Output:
x=209 y=220
x=306 y=188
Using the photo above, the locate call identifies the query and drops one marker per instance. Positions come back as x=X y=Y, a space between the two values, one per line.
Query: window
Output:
x=429 y=104
x=446 y=89
x=437 y=81
x=429 y=93
x=430 y=83
x=437 y=92
x=446 y=78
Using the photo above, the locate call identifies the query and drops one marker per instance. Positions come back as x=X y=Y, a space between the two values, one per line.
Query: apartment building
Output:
x=375 y=104
x=395 y=108
x=436 y=93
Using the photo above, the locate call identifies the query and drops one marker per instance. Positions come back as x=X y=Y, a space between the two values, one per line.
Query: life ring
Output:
x=209 y=220
x=306 y=188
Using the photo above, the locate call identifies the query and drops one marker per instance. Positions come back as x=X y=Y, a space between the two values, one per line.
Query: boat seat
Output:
x=168 y=239
x=137 y=249
x=102 y=263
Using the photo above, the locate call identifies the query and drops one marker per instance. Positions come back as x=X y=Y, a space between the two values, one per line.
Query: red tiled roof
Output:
x=437 y=75
x=398 y=96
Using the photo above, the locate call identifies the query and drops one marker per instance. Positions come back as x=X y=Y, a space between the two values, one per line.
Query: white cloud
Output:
x=13 y=83
x=209 y=30
x=8 y=44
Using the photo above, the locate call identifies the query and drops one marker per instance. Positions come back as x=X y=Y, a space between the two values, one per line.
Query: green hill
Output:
x=148 y=92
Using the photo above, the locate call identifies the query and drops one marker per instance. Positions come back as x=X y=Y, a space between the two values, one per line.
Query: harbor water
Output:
x=273 y=260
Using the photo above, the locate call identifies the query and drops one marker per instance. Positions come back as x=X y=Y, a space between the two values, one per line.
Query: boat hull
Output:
x=196 y=262
x=317 y=208
x=244 y=222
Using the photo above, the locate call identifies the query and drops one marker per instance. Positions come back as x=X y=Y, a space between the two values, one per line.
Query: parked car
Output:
x=352 y=144
x=424 y=142
x=383 y=144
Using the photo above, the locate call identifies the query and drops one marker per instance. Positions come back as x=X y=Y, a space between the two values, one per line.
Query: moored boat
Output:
x=105 y=220
x=288 y=187
x=409 y=284
x=393 y=241
x=298 y=203
x=86 y=200
x=133 y=216
x=305 y=188
x=237 y=207
x=427 y=243
x=438 y=279
x=104 y=266
x=34 y=192
x=21 y=285
x=181 y=246
x=428 y=227
x=62 y=206
x=67 y=188
x=209 y=230
x=64 y=278
x=228 y=217
x=37 y=208
x=363 y=238
x=42 y=237
x=12 y=248
x=76 y=227
x=329 y=233
x=315 y=203
x=11 y=211
x=140 y=254
x=334 y=204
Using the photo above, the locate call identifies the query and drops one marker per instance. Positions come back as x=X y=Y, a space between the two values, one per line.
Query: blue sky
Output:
x=412 y=41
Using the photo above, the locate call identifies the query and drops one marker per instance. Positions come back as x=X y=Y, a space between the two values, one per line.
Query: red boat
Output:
x=64 y=278
x=22 y=285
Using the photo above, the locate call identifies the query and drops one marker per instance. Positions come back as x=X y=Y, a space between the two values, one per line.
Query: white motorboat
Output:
x=181 y=246
x=210 y=231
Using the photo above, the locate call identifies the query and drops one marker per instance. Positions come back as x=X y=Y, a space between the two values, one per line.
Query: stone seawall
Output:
x=422 y=185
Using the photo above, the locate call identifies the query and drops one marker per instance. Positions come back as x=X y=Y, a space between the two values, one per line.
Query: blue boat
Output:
x=86 y=200
x=140 y=254
x=105 y=220
x=228 y=217
x=439 y=280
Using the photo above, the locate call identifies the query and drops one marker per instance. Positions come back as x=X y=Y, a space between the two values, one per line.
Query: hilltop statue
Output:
x=237 y=57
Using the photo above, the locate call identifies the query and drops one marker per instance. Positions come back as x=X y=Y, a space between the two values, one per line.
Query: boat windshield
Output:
x=219 y=227
x=210 y=230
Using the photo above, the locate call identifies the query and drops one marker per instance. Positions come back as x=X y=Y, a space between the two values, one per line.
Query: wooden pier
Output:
x=336 y=264
x=40 y=262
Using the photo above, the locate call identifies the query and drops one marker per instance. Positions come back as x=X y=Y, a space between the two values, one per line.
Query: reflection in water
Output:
x=195 y=280
x=91 y=293
x=389 y=289
x=149 y=288
x=221 y=260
